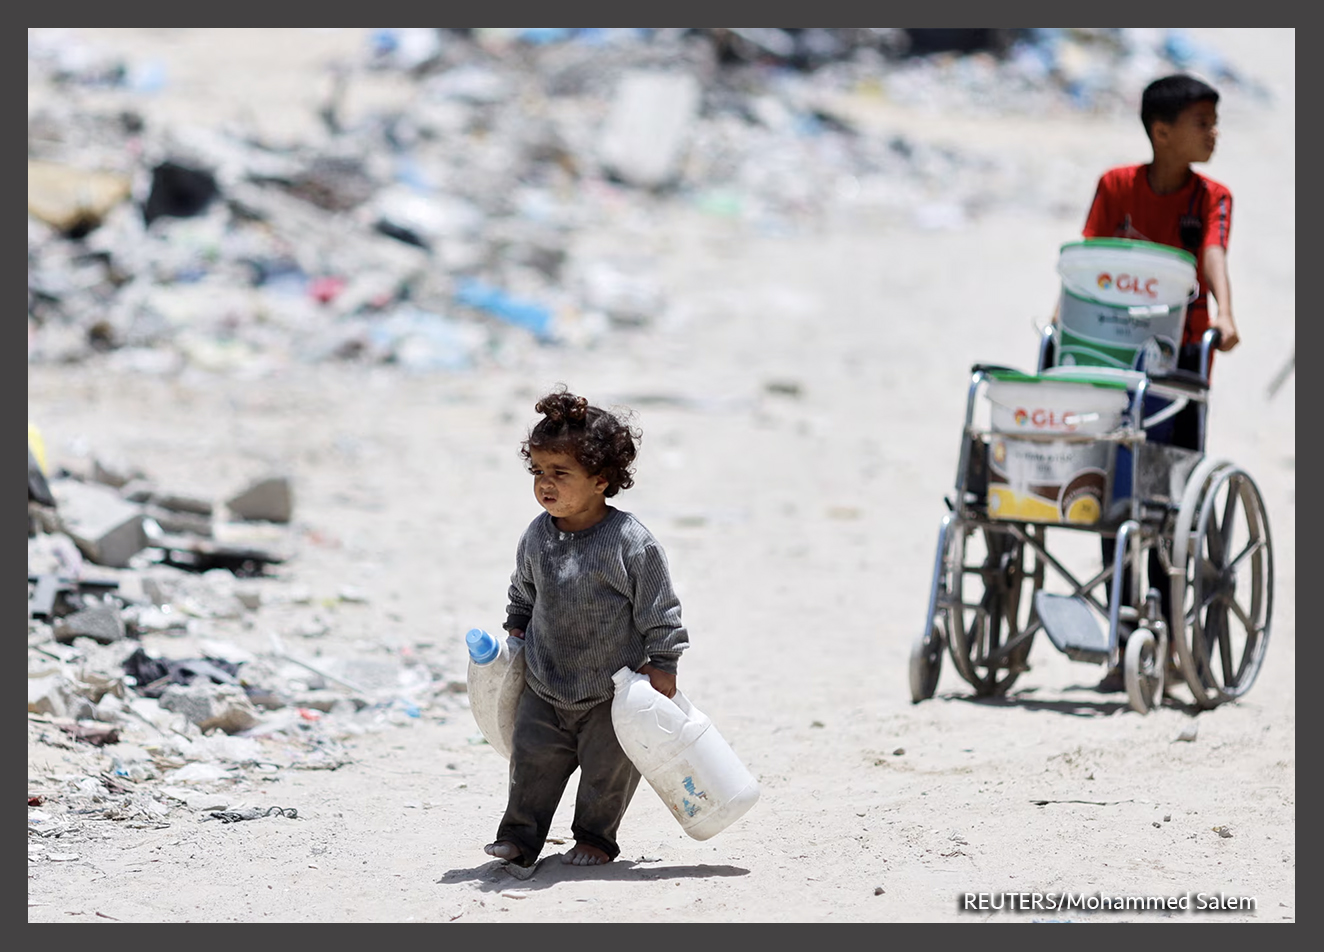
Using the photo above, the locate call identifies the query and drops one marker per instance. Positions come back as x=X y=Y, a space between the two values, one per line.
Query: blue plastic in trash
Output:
x=530 y=314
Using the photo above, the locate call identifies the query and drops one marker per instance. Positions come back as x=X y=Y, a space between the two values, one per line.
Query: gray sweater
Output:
x=589 y=603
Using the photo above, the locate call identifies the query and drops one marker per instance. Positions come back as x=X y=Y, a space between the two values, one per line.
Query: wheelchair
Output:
x=1192 y=527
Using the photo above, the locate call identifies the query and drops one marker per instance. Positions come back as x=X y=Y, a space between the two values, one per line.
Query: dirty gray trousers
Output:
x=550 y=742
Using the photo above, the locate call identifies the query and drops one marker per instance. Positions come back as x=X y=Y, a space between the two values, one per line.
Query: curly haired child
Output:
x=591 y=593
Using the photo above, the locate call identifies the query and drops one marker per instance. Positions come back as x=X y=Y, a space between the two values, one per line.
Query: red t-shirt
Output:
x=1125 y=206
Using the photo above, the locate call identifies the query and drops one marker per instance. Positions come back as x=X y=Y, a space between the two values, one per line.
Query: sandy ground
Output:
x=800 y=528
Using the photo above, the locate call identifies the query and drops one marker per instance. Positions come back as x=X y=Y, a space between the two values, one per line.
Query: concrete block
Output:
x=178 y=521
x=182 y=502
x=48 y=696
x=269 y=500
x=107 y=529
x=102 y=623
x=209 y=705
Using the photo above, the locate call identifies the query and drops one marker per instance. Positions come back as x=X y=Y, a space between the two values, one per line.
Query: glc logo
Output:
x=1147 y=287
x=1041 y=418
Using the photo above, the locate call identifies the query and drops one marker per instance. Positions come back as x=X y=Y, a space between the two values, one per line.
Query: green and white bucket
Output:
x=1053 y=481
x=1123 y=303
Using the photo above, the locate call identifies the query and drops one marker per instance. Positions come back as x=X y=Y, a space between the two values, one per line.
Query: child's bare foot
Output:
x=585 y=855
x=502 y=849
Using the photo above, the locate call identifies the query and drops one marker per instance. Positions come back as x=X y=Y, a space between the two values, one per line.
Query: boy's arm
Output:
x=1214 y=265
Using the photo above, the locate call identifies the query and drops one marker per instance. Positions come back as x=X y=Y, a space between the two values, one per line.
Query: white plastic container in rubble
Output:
x=496 y=681
x=684 y=758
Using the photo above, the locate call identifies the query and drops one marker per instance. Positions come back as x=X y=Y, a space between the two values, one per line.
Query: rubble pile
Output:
x=442 y=235
x=159 y=681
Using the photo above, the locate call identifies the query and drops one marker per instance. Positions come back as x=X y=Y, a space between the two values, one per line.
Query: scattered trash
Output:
x=514 y=310
x=252 y=813
x=1188 y=733
x=1224 y=831
x=757 y=125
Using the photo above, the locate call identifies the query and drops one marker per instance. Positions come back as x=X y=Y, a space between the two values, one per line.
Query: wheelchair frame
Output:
x=1191 y=510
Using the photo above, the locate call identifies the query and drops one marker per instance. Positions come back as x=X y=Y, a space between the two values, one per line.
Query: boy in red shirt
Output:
x=1165 y=202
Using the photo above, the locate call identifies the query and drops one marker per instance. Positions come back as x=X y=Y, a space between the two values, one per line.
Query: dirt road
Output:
x=800 y=406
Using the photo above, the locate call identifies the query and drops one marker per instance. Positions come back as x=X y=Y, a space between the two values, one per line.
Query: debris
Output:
x=152 y=676
x=252 y=813
x=1097 y=803
x=1188 y=733
x=98 y=735
x=108 y=530
x=50 y=593
x=102 y=623
x=212 y=706
x=1224 y=831
x=514 y=310
x=203 y=555
x=179 y=191
x=270 y=499
x=648 y=128
x=72 y=200
x=1283 y=372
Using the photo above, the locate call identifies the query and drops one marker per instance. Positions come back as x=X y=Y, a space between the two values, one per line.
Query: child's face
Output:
x=1193 y=136
x=565 y=489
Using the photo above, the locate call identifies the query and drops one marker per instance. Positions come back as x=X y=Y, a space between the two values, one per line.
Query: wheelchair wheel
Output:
x=926 y=663
x=1143 y=668
x=1224 y=587
x=986 y=599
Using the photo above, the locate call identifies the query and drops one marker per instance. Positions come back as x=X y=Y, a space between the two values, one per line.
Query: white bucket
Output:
x=1054 y=481
x=1129 y=273
x=1123 y=303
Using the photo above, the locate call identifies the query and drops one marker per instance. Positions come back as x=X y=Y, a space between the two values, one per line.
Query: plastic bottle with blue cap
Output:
x=496 y=681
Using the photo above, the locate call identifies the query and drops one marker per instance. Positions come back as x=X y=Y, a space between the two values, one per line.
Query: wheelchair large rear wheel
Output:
x=1224 y=586
x=986 y=602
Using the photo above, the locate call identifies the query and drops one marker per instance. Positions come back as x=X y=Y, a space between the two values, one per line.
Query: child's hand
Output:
x=1227 y=332
x=663 y=682
x=517 y=632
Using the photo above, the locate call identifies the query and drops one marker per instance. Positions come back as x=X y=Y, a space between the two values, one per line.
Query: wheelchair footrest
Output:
x=1072 y=627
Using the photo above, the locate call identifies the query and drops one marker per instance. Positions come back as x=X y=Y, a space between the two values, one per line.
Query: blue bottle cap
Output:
x=483 y=648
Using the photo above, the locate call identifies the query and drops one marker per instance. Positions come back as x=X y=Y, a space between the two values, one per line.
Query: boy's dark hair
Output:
x=1165 y=99
x=599 y=441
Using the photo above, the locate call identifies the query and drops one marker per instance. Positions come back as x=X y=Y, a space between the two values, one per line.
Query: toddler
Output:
x=591 y=593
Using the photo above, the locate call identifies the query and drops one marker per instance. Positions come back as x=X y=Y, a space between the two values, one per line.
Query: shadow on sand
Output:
x=497 y=875
x=1102 y=705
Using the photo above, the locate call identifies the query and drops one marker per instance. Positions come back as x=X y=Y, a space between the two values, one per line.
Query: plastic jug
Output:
x=680 y=753
x=496 y=681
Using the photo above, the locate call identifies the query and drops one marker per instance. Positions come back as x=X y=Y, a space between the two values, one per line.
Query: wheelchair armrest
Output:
x=1185 y=379
x=994 y=368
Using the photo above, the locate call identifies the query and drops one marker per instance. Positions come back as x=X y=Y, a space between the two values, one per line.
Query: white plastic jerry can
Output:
x=496 y=681
x=676 y=748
